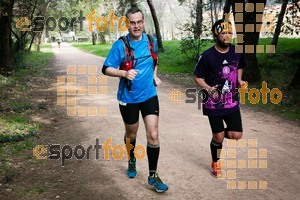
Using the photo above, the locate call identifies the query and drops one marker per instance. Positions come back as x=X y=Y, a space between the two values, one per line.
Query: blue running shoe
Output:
x=156 y=182
x=131 y=171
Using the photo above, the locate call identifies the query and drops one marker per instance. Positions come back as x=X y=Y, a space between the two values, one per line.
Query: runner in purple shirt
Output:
x=219 y=73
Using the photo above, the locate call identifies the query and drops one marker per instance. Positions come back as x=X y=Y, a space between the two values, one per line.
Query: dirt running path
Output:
x=262 y=166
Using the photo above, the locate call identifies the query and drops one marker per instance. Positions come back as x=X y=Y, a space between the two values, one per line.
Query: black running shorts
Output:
x=233 y=122
x=130 y=111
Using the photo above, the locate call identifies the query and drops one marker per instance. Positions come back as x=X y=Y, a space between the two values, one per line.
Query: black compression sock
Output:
x=215 y=150
x=153 y=154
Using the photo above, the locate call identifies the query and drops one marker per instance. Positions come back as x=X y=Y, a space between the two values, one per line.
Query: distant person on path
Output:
x=135 y=64
x=59 y=41
x=219 y=74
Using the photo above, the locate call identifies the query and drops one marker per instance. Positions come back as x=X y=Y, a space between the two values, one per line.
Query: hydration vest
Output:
x=128 y=63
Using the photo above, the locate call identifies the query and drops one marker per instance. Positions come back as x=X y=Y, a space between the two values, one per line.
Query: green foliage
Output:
x=7 y=174
x=192 y=47
x=23 y=145
x=26 y=63
x=98 y=50
x=189 y=45
x=174 y=61
x=15 y=95
x=15 y=128
x=36 y=189
x=278 y=70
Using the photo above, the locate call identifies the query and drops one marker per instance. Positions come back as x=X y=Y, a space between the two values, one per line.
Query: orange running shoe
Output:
x=216 y=170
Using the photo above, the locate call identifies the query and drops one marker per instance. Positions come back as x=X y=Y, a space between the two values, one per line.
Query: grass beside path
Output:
x=16 y=90
x=17 y=103
x=98 y=50
x=276 y=69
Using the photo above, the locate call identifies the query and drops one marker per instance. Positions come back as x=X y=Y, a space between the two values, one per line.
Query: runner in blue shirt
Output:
x=219 y=73
x=137 y=93
x=142 y=74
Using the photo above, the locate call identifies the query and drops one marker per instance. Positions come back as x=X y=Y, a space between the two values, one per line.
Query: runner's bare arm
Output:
x=240 y=75
x=156 y=79
x=201 y=83
x=130 y=75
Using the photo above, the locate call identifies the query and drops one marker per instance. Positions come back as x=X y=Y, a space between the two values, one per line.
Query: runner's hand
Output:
x=243 y=84
x=131 y=74
x=213 y=91
x=157 y=81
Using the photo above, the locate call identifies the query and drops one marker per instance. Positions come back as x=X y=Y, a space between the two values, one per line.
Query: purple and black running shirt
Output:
x=220 y=69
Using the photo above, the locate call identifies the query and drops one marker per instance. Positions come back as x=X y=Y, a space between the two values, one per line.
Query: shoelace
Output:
x=156 y=177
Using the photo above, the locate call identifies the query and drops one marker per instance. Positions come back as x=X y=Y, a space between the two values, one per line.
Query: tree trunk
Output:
x=227 y=8
x=5 y=36
x=31 y=42
x=296 y=80
x=215 y=10
x=211 y=14
x=156 y=25
x=39 y=37
x=122 y=6
x=32 y=34
x=133 y=3
x=199 y=20
x=94 y=37
x=251 y=40
x=19 y=45
x=279 y=23
x=102 y=38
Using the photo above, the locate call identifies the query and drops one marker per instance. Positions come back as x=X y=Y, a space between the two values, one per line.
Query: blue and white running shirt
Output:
x=142 y=87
